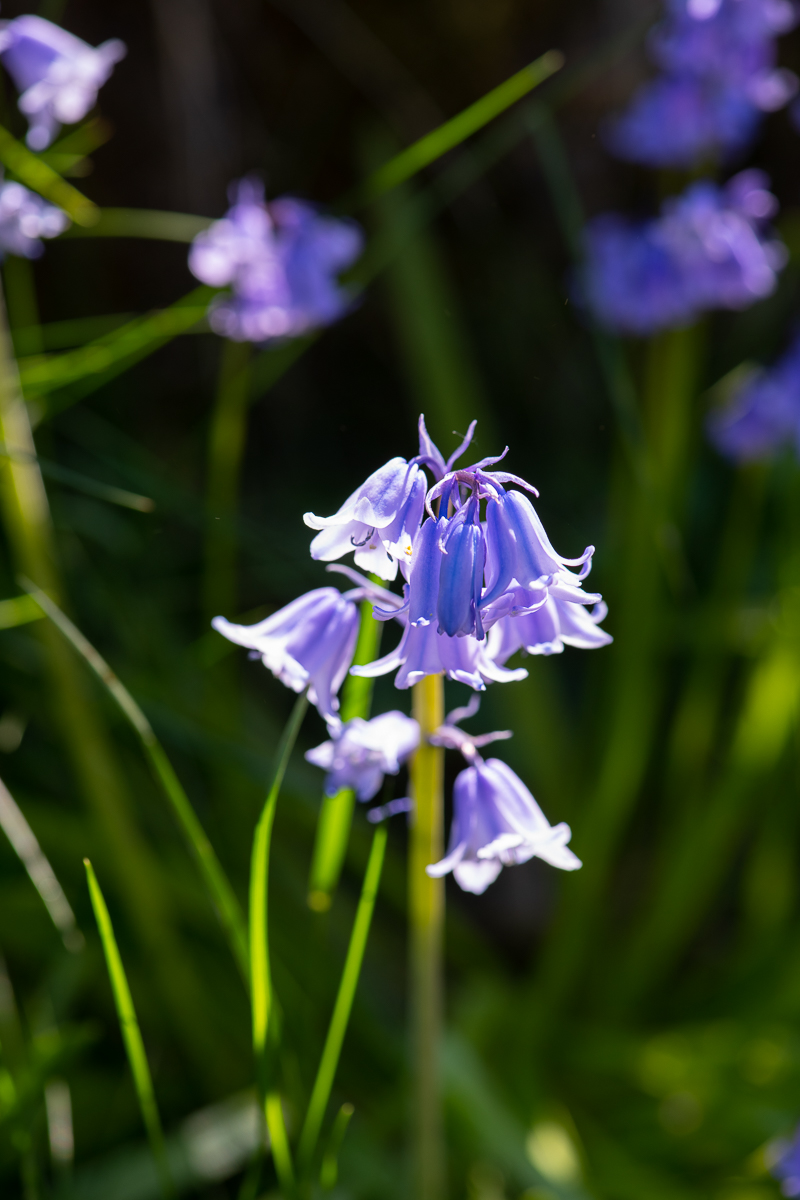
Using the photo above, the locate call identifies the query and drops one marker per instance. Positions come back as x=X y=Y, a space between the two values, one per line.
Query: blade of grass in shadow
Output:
x=28 y=525
x=344 y=1003
x=214 y=877
x=329 y=1171
x=261 y=998
x=336 y=813
x=225 y=449
x=131 y=1034
x=143 y=223
x=41 y=874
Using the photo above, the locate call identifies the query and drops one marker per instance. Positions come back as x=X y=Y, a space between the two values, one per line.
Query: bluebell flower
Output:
x=308 y=644
x=497 y=823
x=786 y=1167
x=58 y=75
x=709 y=248
x=549 y=628
x=25 y=219
x=719 y=59
x=764 y=412
x=281 y=261
x=378 y=521
x=365 y=751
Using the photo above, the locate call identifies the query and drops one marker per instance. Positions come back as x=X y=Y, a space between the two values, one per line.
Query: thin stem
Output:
x=279 y=1142
x=225 y=449
x=336 y=813
x=260 y=976
x=344 y=1001
x=131 y=1034
x=217 y=883
x=426 y=905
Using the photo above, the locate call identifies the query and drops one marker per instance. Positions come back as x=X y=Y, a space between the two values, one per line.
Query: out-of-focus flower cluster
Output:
x=57 y=74
x=25 y=219
x=719 y=74
x=280 y=260
x=481 y=580
x=710 y=248
x=763 y=414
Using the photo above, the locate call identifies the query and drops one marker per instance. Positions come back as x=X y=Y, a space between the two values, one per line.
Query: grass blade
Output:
x=281 y=1154
x=19 y=610
x=131 y=1034
x=37 y=175
x=260 y=977
x=216 y=881
x=425 y=151
x=143 y=223
x=329 y=1172
x=344 y=1001
x=41 y=874
x=336 y=814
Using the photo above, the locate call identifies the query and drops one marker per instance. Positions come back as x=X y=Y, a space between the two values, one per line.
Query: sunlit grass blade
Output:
x=336 y=813
x=35 y=173
x=459 y=128
x=260 y=975
x=329 y=1171
x=149 y=223
x=344 y=1004
x=216 y=881
x=131 y=1034
x=40 y=872
x=279 y=1142
x=82 y=483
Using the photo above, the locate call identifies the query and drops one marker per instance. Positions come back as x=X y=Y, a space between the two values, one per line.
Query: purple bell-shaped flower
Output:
x=25 y=219
x=364 y=752
x=308 y=644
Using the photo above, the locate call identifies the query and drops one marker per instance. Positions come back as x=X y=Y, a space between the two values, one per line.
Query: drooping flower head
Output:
x=281 y=261
x=763 y=414
x=720 y=76
x=365 y=751
x=710 y=248
x=307 y=644
x=496 y=821
x=58 y=75
x=25 y=219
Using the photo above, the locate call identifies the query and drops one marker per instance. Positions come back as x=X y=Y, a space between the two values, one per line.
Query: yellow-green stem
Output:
x=426 y=909
x=225 y=449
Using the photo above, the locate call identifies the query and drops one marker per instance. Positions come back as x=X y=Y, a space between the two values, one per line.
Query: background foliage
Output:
x=627 y=1031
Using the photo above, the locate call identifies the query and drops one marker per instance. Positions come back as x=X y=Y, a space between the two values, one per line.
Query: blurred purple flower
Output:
x=764 y=412
x=58 y=75
x=719 y=59
x=25 y=218
x=378 y=521
x=497 y=823
x=280 y=260
x=309 y=643
x=364 y=752
x=708 y=249
x=786 y=1164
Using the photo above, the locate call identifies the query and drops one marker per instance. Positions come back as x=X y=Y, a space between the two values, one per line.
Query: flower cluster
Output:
x=719 y=75
x=57 y=74
x=709 y=248
x=481 y=580
x=25 y=218
x=280 y=260
x=764 y=412
x=786 y=1164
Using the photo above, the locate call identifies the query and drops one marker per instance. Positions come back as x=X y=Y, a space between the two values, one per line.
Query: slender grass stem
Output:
x=216 y=881
x=260 y=975
x=426 y=906
x=336 y=814
x=131 y=1034
x=344 y=1002
x=279 y=1141
x=225 y=450
x=329 y=1171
